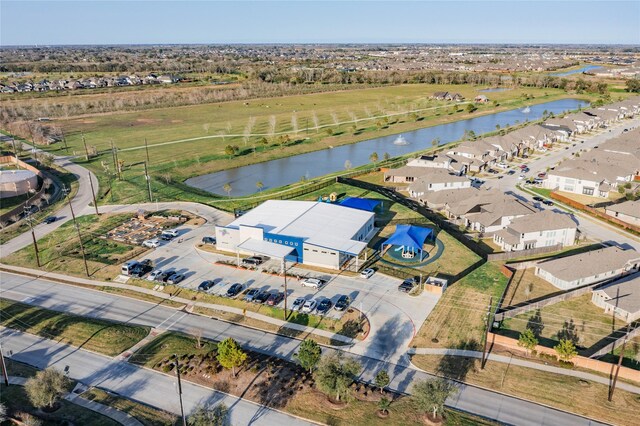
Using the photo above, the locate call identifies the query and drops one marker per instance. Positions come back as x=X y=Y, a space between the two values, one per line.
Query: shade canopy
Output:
x=409 y=236
x=365 y=204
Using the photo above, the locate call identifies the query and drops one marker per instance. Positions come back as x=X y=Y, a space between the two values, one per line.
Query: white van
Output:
x=128 y=266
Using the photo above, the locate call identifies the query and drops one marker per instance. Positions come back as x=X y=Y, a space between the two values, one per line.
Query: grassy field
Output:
x=458 y=320
x=59 y=250
x=351 y=116
x=105 y=337
x=586 y=398
x=590 y=323
x=527 y=286
x=148 y=416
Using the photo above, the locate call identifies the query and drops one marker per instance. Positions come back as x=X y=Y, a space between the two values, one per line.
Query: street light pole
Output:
x=75 y=223
x=284 y=267
x=184 y=419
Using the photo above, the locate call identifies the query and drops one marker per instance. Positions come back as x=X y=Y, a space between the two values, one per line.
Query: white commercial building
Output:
x=312 y=233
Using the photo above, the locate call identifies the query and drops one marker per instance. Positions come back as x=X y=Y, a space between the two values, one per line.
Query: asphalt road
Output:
x=133 y=382
x=91 y=303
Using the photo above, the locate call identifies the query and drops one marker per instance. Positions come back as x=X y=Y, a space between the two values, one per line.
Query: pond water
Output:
x=284 y=171
x=578 y=71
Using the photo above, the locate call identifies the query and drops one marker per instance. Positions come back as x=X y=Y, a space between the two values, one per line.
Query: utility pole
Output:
x=284 y=268
x=118 y=161
x=146 y=176
x=86 y=151
x=615 y=376
x=15 y=150
x=4 y=367
x=64 y=140
x=75 y=223
x=486 y=334
x=27 y=217
x=115 y=160
x=93 y=193
x=184 y=420
x=146 y=148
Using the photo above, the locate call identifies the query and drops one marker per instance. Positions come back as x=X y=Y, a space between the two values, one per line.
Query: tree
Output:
x=383 y=405
x=227 y=188
x=229 y=150
x=259 y=185
x=230 y=355
x=196 y=332
x=309 y=354
x=386 y=156
x=566 y=350
x=430 y=395
x=633 y=85
x=527 y=340
x=374 y=157
x=435 y=142
x=471 y=108
x=46 y=160
x=209 y=416
x=46 y=387
x=382 y=380
x=335 y=374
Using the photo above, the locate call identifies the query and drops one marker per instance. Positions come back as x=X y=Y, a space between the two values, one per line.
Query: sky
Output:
x=27 y=22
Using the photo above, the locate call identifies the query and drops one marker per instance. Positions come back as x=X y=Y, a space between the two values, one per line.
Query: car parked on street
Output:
x=324 y=306
x=50 y=219
x=206 y=285
x=297 y=304
x=539 y=199
x=209 y=240
x=309 y=306
x=251 y=295
x=140 y=270
x=275 y=299
x=548 y=202
x=343 y=303
x=234 y=290
x=367 y=273
x=312 y=282
x=171 y=233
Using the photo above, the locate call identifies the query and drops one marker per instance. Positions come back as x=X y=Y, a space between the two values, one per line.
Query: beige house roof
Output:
x=629 y=208
x=492 y=213
x=421 y=184
x=546 y=220
x=591 y=263
x=408 y=171
x=624 y=293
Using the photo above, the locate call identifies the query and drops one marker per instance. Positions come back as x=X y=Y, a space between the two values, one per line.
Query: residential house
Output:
x=621 y=297
x=439 y=162
x=477 y=155
x=456 y=97
x=493 y=217
x=437 y=180
x=542 y=229
x=590 y=267
x=481 y=99
x=628 y=211
x=440 y=96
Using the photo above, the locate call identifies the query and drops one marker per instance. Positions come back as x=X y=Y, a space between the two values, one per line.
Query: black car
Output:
x=253 y=261
x=175 y=278
x=234 y=290
x=206 y=285
x=209 y=240
x=324 y=306
x=275 y=299
x=50 y=219
x=548 y=202
x=511 y=172
x=343 y=303
x=140 y=270
x=540 y=199
x=166 y=237
x=407 y=285
x=262 y=296
x=163 y=277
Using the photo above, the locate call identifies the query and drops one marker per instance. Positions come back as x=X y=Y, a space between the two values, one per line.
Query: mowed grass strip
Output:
x=145 y=414
x=105 y=337
x=565 y=392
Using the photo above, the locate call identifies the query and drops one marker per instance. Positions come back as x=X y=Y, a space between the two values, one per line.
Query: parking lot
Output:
x=394 y=316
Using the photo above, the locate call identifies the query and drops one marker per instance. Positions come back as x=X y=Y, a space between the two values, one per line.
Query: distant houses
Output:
x=447 y=96
x=88 y=83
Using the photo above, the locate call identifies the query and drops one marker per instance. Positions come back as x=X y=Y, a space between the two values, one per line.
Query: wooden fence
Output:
x=523 y=253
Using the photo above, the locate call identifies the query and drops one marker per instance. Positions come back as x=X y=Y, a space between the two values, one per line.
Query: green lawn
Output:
x=148 y=416
x=105 y=337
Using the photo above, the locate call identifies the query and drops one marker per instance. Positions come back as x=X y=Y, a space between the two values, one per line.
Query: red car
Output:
x=275 y=299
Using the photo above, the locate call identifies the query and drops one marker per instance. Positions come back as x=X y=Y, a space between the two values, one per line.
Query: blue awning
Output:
x=360 y=203
x=409 y=236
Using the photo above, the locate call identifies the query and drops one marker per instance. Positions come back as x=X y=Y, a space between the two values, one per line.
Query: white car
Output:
x=502 y=165
x=298 y=303
x=171 y=232
x=154 y=243
x=154 y=274
x=309 y=306
x=521 y=177
x=367 y=273
x=312 y=282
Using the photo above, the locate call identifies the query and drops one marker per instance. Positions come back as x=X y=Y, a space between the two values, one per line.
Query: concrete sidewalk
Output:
x=524 y=363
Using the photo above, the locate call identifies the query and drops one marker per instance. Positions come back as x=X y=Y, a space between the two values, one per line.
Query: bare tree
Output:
x=196 y=332
x=316 y=122
x=248 y=128
x=206 y=127
x=294 y=123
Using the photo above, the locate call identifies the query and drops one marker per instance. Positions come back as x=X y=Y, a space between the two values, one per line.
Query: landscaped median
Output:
x=105 y=337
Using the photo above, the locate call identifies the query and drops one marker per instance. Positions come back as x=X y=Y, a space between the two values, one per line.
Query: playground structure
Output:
x=409 y=240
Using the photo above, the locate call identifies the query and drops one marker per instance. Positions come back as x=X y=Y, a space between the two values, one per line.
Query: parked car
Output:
x=253 y=261
x=493 y=171
x=343 y=303
x=521 y=177
x=548 y=202
x=235 y=290
x=126 y=267
x=153 y=276
x=206 y=285
x=542 y=175
x=367 y=273
x=526 y=170
x=312 y=282
x=324 y=306
x=140 y=270
x=164 y=276
x=309 y=306
x=297 y=304
x=251 y=295
x=154 y=243
x=171 y=232
x=408 y=285
x=502 y=165
x=209 y=240
x=166 y=237
x=523 y=166
x=50 y=219
x=275 y=299
x=539 y=199
x=511 y=172
x=262 y=296
x=175 y=278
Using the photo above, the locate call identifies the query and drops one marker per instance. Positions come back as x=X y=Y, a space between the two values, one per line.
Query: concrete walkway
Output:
x=524 y=363
x=187 y=302
x=114 y=414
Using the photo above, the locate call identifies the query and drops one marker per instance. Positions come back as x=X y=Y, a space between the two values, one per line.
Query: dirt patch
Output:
x=177 y=121
x=147 y=120
x=87 y=121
